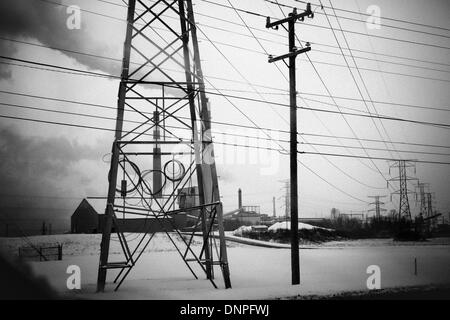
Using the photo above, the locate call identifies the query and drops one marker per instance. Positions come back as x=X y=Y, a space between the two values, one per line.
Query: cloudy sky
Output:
x=52 y=166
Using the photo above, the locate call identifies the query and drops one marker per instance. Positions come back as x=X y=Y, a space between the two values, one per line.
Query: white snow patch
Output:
x=239 y=231
x=286 y=225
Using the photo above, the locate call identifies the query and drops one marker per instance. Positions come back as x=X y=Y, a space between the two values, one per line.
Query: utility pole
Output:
x=378 y=209
x=292 y=55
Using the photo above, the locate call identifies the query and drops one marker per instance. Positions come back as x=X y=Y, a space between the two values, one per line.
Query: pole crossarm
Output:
x=289 y=55
x=292 y=17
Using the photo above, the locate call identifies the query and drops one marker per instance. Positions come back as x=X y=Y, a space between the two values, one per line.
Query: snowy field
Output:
x=256 y=272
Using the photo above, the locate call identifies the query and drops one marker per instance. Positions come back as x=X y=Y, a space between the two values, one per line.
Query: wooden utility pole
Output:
x=292 y=55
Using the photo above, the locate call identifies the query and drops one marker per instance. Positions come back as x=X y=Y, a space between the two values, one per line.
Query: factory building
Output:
x=245 y=215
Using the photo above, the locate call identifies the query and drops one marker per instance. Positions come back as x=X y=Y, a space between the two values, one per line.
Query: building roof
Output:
x=84 y=207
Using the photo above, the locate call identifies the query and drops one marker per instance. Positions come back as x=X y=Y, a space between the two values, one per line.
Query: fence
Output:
x=41 y=253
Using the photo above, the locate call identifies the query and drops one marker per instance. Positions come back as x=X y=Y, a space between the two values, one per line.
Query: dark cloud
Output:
x=46 y=23
x=42 y=173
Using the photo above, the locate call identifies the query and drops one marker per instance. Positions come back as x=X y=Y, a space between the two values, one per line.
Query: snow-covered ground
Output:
x=286 y=225
x=256 y=272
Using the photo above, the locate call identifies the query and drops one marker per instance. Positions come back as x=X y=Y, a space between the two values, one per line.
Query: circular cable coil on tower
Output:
x=178 y=170
x=137 y=173
x=146 y=187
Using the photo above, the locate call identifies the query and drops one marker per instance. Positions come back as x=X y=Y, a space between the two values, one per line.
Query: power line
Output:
x=363 y=21
x=359 y=73
x=330 y=46
x=221 y=133
x=253 y=121
x=260 y=129
x=383 y=117
x=229 y=62
x=267 y=54
x=231 y=144
x=91 y=73
x=283 y=75
x=337 y=106
x=230 y=124
x=326 y=159
x=224 y=79
x=245 y=11
x=375 y=140
x=347 y=31
x=379 y=149
x=387 y=18
x=316 y=43
x=374 y=101
x=443 y=125
x=373 y=158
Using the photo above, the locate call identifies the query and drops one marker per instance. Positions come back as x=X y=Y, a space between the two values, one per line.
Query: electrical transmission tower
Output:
x=429 y=204
x=404 y=211
x=431 y=215
x=422 y=198
x=378 y=209
x=163 y=144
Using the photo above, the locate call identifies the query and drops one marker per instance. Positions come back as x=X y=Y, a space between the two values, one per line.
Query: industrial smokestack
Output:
x=274 y=208
x=240 y=198
x=157 y=173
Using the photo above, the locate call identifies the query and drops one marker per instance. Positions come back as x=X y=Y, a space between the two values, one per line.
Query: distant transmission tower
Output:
x=422 y=198
x=163 y=145
x=431 y=223
x=429 y=201
x=404 y=211
x=378 y=209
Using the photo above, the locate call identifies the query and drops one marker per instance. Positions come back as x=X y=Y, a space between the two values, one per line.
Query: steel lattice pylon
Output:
x=423 y=203
x=163 y=143
x=403 y=191
x=378 y=209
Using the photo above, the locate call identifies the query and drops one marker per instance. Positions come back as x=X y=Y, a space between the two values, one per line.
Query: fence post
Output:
x=415 y=266
x=60 y=252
